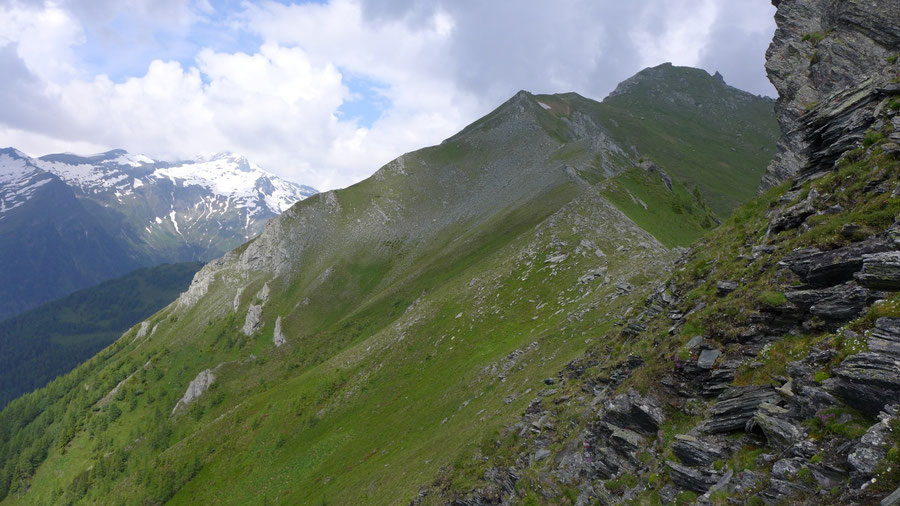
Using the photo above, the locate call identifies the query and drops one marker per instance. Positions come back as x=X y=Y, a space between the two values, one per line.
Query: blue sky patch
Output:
x=368 y=102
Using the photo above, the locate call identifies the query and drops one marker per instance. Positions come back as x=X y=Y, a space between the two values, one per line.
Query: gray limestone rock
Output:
x=142 y=331
x=252 y=322
x=195 y=389
x=237 y=298
x=278 y=336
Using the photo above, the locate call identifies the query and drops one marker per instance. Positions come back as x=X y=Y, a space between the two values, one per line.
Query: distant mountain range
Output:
x=69 y=221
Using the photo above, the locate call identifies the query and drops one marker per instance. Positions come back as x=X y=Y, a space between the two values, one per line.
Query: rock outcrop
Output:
x=195 y=389
x=827 y=61
x=278 y=336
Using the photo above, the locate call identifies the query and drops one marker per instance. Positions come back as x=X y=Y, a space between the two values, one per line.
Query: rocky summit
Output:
x=568 y=302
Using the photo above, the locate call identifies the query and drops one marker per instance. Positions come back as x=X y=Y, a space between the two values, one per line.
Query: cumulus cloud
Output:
x=174 y=78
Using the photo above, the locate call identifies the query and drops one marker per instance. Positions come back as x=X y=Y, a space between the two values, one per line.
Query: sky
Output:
x=325 y=92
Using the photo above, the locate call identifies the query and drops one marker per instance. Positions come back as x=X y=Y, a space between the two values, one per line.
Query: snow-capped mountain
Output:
x=154 y=211
x=50 y=243
x=185 y=210
x=20 y=178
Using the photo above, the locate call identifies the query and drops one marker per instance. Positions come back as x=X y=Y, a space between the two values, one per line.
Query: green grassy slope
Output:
x=676 y=216
x=422 y=309
x=699 y=129
x=855 y=196
x=52 y=339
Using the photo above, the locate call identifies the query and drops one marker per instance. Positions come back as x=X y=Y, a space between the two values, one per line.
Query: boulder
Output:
x=695 y=452
x=828 y=268
x=793 y=216
x=708 y=359
x=625 y=441
x=867 y=381
x=787 y=469
x=541 y=454
x=634 y=411
x=195 y=389
x=691 y=479
x=736 y=406
x=873 y=445
x=770 y=420
x=725 y=287
x=880 y=271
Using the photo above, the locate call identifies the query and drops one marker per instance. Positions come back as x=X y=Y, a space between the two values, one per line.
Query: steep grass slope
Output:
x=369 y=336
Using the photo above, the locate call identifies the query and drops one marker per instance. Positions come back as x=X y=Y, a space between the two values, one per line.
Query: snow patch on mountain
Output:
x=19 y=179
x=233 y=176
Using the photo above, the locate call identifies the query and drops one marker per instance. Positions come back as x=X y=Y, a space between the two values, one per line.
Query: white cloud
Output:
x=438 y=65
x=43 y=36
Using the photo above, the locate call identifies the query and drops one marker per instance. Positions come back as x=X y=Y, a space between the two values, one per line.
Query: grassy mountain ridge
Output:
x=663 y=110
x=419 y=311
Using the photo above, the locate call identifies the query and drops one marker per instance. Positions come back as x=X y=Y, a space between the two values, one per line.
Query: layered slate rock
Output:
x=634 y=411
x=736 y=406
x=880 y=271
x=772 y=421
x=836 y=303
x=828 y=268
x=821 y=48
x=696 y=452
x=869 y=380
x=689 y=478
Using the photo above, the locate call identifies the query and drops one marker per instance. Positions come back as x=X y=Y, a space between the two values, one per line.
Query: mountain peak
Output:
x=14 y=153
x=667 y=75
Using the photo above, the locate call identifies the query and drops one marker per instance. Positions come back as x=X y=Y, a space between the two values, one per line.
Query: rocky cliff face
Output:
x=828 y=56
